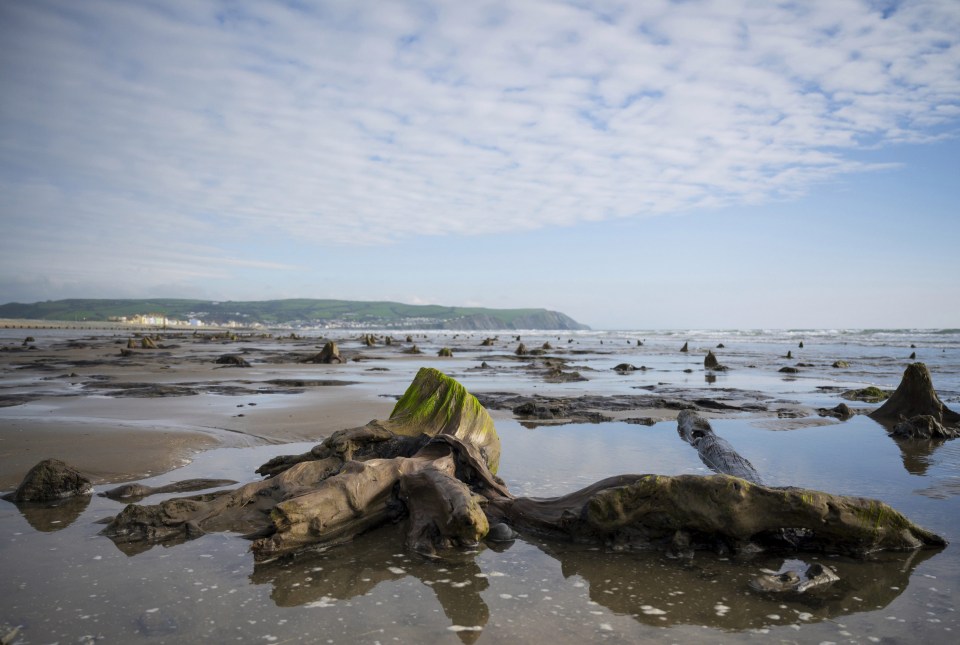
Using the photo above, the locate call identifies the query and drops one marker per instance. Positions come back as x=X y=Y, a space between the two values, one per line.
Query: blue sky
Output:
x=632 y=164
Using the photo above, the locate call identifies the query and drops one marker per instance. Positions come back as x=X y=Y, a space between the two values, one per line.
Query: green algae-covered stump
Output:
x=717 y=512
x=435 y=404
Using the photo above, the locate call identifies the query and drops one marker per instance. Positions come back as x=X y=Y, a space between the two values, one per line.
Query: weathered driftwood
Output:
x=718 y=512
x=135 y=492
x=432 y=464
x=716 y=453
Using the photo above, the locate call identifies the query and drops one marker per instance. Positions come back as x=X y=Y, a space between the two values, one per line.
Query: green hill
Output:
x=297 y=312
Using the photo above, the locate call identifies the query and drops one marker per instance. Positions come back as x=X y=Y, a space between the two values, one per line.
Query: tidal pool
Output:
x=62 y=582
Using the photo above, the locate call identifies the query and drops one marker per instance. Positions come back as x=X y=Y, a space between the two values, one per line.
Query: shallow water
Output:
x=63 y=582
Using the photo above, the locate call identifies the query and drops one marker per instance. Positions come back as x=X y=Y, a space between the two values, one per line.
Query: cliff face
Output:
x=538 y=320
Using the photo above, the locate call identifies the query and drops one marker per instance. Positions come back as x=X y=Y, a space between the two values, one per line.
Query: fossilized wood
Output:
x=653 y=511
x=365 y=442
x=443 y=511
x=433 y=405
x=243 y=510
x=431 y=464
x=432 y=487
x=135 y=492
x=716 y=453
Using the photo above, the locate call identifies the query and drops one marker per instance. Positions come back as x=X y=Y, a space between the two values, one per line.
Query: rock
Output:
x=147 y=343
x=924 y=426
x=641 y=421
x=624 y=367
x=789 y=370
x=131 y=344
x=871 y=394
x=639 y=342
x=711 y=362
x=685 y=348
x=409 y=339
x=501 y=532
x=50 y=480
x=915 y=396
x=814 y=576
x=801 y=345
x=547 y=346
x=557 y=375
x=328 y=355
x=487 y=342
x=720 y=346
x=234 y=360
x=521 y=350
x=789 y=355
x=841 y=364
x=412 y=350
x=534 y=410
x=842 y=412
x=445 y=352
x=913 y=356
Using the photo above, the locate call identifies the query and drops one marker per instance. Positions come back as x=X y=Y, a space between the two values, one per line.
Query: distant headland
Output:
x=300 y=313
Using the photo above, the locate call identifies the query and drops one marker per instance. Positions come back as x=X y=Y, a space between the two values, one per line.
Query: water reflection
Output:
x=53 y=516
x=715 y=592
x=355 y=569
x=916 y=453
x=647 y=586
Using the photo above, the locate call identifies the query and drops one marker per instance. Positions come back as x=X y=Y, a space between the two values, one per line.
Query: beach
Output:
x=572 y=408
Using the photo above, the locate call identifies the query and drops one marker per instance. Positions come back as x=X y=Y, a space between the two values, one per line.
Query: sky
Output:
x=635 y=165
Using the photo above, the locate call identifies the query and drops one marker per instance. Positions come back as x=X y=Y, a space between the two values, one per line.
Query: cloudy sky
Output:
x=724 y=163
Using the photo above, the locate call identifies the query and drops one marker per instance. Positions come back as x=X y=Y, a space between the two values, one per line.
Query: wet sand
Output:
x=71 y=395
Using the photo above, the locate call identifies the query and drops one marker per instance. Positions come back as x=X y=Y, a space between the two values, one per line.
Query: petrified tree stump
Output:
x=915 y=410
x=432 y=464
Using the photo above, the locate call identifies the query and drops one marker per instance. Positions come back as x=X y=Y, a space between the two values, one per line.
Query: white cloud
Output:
x=367 y=123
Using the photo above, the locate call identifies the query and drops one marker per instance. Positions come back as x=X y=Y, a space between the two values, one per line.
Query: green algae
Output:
x=437 y=404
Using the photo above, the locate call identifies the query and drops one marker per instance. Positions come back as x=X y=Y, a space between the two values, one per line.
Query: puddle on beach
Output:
x=64 y=583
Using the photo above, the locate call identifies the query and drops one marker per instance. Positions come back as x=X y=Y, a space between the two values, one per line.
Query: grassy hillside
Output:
x=295 y=311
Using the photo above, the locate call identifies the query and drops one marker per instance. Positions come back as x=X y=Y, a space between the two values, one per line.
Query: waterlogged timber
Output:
x=447 y=488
